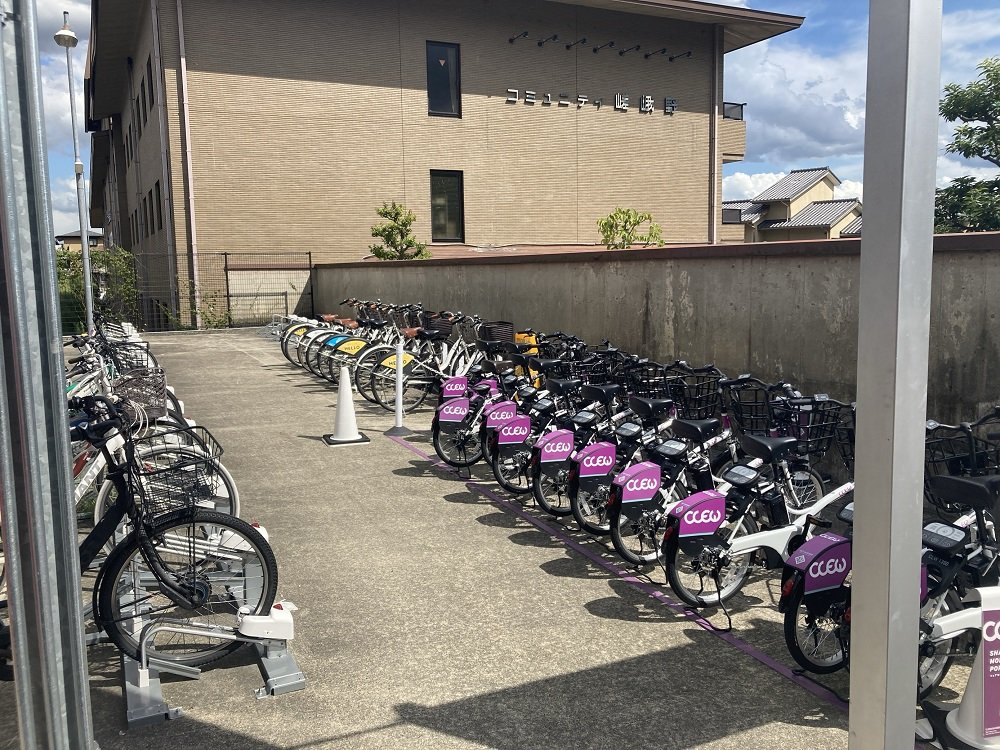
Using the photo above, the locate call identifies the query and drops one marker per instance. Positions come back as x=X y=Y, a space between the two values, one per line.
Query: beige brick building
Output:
x=251 y=125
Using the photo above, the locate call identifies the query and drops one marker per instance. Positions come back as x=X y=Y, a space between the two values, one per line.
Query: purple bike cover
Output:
x=639 y=482
x=596 y=460
x=825 y=561
x=499 y=413
x=555 y=446
x=514 y=430
x=454 y=387
x=701 y=514
x=453 y=410
x=494 y=388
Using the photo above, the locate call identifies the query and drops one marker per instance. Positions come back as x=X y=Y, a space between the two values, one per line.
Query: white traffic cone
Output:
x=345 y=428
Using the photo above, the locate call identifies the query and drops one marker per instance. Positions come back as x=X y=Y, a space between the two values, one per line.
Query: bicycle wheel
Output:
x=638 y=540
x=690 y=576
x=461 y=448
x=807 y=485
x=290 y=340
x=316 y=346
x=550 y=493
x=936 y=658
x=223 y=559
x=590 y=509
x=367 y=362
x=511 y=471
x=816 y=641
x=383 y=386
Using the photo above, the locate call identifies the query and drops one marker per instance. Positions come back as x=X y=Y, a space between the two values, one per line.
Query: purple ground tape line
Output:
x=806 y=684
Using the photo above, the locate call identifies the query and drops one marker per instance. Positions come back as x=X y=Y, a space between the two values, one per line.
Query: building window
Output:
x=143 y=219
x=447 y=206
x=138 y=118
x=444 y=82
x=159 y=207
x=142 y=89
x=152 y=226
x=149 y=77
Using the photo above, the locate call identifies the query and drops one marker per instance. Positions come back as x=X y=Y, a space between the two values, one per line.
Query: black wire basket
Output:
x=178 y=470
x=499 y=330
x=813 y=421
x=696 y=395
x=750 y=408
x=130 y=356
x=144 y=391
x=646 y=380
x=963 y=451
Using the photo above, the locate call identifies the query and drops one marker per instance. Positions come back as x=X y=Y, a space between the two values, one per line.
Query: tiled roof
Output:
x=749 y=211
x=794 y=184
x=853 y=229
x=818 y=214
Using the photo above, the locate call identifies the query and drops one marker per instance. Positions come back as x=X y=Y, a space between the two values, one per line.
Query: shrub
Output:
x=619 y=229
x=395 y=232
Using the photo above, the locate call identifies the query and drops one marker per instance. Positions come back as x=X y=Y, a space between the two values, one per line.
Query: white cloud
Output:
x=742 y=186
x=65 y=216
x=950 y=166
x=850 y=189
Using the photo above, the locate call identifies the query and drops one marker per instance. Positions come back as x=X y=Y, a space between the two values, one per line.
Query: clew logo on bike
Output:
x=639 y=482
x=454 y=410
x=596 y=460
x=556 y=446
x=701 y=514
x=828 y=567
x=991 y=629
x=454 y=387
x=514 y=431
x=500 y=413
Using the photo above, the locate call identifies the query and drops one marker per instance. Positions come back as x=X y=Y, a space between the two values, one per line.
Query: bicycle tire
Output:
x=807 y=636
x=366 y=364
x=290 y=339
x=510 y=473
x=932 y=669
x=638 y=541
x=459 y=449
x=550 y=492
x=733 y=577
x=590 y=509
x=383 y=386
x=313 y=350
x=251 y=582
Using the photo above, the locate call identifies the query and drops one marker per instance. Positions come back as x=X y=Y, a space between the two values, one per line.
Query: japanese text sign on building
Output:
x=645 y=104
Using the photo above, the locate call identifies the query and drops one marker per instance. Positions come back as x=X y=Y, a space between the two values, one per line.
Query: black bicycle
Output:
x=177 y=562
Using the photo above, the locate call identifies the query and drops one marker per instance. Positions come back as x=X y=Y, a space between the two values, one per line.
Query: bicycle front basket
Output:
x=144 y=390
x=178 y=469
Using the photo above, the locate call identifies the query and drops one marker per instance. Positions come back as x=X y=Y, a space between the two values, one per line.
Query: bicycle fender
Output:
x=824 y=562
x=700 y=515
x=455 y=410
x=353 y=346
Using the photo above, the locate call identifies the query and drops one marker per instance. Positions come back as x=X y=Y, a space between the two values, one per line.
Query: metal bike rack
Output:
x=267 y=634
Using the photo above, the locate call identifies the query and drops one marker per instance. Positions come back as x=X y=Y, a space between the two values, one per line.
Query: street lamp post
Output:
x=66 y=38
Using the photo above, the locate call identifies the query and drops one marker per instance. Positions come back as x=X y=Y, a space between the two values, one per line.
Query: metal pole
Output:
x=894 y=320
x=39 y=520
x=81 y=192
x=398 y=429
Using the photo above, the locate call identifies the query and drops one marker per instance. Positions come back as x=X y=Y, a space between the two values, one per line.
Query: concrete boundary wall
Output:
x=778 y=310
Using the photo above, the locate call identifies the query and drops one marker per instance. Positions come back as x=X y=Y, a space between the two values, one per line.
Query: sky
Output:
x=805 y=94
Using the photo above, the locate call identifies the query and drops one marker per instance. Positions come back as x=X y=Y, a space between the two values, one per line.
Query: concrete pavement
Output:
x=437 y=612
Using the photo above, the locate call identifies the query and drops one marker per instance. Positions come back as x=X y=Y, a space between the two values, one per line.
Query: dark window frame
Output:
x=142 y=93
x=149 y=77
x=159 y=207
x=461 y=197
x=138 y=116
x=458 y=80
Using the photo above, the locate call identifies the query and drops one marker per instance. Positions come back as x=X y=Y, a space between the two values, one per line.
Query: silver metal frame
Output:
x=904 y=40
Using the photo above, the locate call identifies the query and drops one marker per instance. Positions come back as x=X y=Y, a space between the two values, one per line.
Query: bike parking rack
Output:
x=267 y=634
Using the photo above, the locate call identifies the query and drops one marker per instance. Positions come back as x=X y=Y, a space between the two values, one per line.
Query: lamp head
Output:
x=65 y=36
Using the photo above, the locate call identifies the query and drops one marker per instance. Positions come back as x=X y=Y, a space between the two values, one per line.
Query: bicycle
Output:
x=178 y=562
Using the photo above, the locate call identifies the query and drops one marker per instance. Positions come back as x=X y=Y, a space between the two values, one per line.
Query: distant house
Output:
x=799 y=206
x=71 y=240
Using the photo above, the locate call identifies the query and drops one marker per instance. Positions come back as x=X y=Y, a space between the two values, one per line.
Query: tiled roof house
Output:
x=800 y=206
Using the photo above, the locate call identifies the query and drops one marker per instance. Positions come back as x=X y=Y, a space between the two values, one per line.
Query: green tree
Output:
x=967 y=204
x=113 y=280
x=620 y=229
x=396 y=234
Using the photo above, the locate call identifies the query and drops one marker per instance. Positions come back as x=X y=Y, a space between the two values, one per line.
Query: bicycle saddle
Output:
x=650 y=410
x=491 y=348
x=563 y=387
x=498 y=367
x=978 y=493
x=539 y=364
x=519 y=359
x=602 y=393
x=768 y=449
x=698 y=430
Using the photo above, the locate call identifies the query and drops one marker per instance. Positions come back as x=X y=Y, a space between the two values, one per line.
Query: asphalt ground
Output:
x=439 y=612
